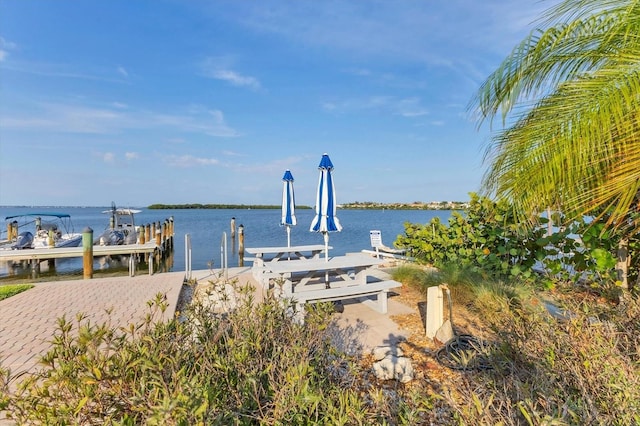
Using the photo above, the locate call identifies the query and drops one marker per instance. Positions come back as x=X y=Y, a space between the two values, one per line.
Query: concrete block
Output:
x=435 y=311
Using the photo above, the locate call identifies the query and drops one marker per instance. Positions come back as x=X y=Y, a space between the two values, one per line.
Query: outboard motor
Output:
x=23 y=241
x=111 y=237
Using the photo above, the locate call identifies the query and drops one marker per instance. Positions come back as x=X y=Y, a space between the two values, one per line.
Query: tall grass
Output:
x=580 y=369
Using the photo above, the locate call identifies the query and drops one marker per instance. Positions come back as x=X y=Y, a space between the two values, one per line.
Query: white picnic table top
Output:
x=259 y=251
x=356 y=261
x=275 y=254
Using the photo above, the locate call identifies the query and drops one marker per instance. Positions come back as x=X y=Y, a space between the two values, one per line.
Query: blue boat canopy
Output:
x=58 y=215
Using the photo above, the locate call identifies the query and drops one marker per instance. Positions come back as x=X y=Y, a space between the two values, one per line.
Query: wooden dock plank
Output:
x=66 y=252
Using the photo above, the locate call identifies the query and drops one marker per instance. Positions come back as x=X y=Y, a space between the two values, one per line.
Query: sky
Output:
x=174 y=102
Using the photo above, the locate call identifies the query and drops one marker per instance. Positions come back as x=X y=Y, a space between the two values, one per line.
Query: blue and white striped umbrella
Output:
x=325 y=220
x=288 y=204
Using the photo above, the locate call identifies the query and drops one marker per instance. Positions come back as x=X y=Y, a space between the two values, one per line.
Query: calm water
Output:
x=261 y=228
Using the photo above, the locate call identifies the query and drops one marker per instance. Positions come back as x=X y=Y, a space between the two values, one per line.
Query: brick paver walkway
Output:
x=28 y=320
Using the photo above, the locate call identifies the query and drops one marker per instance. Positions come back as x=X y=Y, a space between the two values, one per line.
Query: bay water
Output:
x=207 y=228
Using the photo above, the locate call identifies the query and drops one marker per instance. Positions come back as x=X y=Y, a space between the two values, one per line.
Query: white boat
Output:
x=122 y=228
x=50 y=230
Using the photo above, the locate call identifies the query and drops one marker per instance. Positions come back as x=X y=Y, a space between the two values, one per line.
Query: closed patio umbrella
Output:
x=325 y=220
x=288 y=204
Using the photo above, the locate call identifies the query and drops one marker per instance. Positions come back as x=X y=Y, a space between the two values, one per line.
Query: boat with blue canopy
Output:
x=40 y=230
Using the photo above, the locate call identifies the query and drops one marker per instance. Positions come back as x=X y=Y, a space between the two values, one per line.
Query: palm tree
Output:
x=568 y=97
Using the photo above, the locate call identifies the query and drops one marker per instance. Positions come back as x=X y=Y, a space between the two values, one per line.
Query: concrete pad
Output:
x=363 y=329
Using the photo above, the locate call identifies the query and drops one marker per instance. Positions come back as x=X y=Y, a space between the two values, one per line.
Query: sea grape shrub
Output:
x=485 y=235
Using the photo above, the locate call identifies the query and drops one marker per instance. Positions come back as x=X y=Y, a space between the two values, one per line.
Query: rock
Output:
x=380 y=352
x=220 y=299
x=392 y=367
x=444 y=333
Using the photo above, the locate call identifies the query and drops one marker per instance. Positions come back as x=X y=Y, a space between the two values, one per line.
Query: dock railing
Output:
x=224 y=261
x=187 y=257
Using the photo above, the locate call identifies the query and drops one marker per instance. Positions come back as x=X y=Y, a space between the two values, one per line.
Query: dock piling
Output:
x=241 y=245
x=87 y=253
x=233 y=227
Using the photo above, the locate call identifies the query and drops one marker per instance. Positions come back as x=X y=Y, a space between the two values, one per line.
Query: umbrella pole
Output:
x=288 y=241
x=326 y=257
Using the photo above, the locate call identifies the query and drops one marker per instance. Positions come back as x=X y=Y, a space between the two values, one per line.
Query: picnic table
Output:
x=335 y=278
x=345 y=270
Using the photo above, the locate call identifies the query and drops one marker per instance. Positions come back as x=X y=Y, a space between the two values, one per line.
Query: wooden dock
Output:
x=41 y=254
x=155 y=241
x=147 y=248
x=35 y=256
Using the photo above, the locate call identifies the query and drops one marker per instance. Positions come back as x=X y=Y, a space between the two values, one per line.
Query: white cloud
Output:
x=388 y=79
x=65 y=71
x=5 y=46
x=131 y=155
x=236 y=79
x=329 y=106
x=123 y=72
x=186 y=161
x=108 y=157
x=199 y=120
x=357 y=104
x=220 y=69
x=78 y=118
x=411 y=31
x=410 y=108
x=65 y=118
x=406 y=107
x=414 y=113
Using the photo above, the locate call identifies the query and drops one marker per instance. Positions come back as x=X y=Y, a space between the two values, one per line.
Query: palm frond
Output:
x=572 y=93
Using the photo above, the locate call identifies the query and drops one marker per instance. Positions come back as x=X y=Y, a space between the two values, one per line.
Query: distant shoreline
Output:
x=218 y=206
x=445 y=205
x=349 y=206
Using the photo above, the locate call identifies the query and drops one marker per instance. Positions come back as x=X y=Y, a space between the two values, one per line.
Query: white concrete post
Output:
x=435 y=311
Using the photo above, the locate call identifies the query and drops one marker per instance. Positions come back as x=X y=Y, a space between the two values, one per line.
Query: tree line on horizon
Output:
x=436 y=205
x=217 y=206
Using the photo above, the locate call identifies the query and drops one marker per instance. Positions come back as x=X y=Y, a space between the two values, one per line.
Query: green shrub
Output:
x=9 y=290
x=247 y=363
x=488 y=237
x=547 y=371
x=485 y=236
